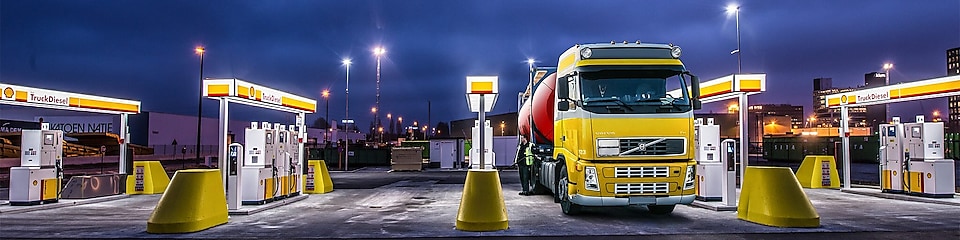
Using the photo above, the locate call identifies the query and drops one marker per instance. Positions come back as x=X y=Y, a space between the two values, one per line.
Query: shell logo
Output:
x=8 y=92
x=252 y=94
x=929 y=175
x=894 y=173
x=843 y=99
x=34 y=182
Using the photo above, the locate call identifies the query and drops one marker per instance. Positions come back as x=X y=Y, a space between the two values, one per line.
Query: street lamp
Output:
x=326 y=98
x=735 y=9
x=346 y=141
x=379 y=51
x=502 y=125
x=886 y=74
x=199 y=51
x=390 y=120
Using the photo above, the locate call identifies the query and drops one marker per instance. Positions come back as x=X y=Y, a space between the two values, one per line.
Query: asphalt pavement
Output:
x=373 y=203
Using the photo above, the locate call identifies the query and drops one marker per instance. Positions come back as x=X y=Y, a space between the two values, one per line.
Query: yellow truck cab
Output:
x=619 y=138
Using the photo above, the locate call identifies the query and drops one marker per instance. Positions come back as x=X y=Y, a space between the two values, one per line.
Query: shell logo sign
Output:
x=8 y=92
x=843 y=99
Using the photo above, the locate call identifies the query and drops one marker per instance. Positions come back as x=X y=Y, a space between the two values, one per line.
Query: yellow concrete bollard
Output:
x=818 y=172
x=317 y=180
x=193 y=202
x=481 y=205
x=148 y=177
x=772 y=196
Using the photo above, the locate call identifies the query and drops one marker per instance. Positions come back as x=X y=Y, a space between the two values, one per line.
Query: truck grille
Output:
x=642 y=188
x=642 y=172
x=665 y=147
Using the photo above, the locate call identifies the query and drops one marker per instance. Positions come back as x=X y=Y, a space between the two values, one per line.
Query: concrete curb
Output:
x=60 y=204
x=248 y=210
x=899 y=197
x=715 y=206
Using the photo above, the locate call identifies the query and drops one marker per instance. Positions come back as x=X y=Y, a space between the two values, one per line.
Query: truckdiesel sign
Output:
x=873 y=96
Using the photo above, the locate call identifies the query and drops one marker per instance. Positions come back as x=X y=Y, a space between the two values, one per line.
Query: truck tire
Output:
x=661 y=209
x=568 y=207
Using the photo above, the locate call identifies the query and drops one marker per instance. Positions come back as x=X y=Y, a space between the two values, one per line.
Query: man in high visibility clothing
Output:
x=524 y=161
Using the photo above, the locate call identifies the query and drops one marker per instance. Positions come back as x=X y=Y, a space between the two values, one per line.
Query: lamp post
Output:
x=346 y=141
x=390 y=121
x=735 y=9
x=375 y=122
x=379 y=51
x=326 y=98
x=886 y=74
x=200 y=51
x=530 y=62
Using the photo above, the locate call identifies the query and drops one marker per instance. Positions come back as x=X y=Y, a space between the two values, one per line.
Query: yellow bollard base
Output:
x=772 y=196
x=152 y=178
x=194 y=201
x=321 y=182
x=481 y=205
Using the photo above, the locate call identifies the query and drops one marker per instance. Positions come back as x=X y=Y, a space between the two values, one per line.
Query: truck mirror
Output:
x=563 y=89
x=695 y=92
x=563 y=105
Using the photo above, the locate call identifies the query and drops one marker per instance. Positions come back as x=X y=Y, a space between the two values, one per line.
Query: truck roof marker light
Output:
x=586 y=53
x=612 y=42
x=624 y=42
x=638 y=41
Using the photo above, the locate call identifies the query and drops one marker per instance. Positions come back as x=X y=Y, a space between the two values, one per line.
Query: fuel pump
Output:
x=281 y=164
x=235 y=155
x=37 y=179
x=258 y=173
x=927 y=172
x=892 y=157
x=728 y=181
x=709 y=167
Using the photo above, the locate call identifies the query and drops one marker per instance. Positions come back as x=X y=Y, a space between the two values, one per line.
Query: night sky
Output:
x=143 y=50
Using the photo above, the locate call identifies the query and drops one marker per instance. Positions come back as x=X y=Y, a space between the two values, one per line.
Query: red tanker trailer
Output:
x=542 y=111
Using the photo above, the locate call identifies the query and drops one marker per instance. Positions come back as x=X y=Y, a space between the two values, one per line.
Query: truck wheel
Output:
x=568 y=207
x=661 y=209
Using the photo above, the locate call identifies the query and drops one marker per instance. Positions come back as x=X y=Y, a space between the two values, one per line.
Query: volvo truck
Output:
x=607 y=133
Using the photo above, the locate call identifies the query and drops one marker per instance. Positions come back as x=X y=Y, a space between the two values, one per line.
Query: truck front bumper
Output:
x=635 y=200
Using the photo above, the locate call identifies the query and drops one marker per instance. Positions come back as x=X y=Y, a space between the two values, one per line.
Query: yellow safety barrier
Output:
x=193 y=202
x=772 y=196
x=317 y=180
x=148 y=177
x=818 y=172
x=481 y=205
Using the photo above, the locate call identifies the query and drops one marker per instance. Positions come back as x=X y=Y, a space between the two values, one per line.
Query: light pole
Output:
x=530 y=62
x=390 y=120
x=735 y=9
x=375 y=122
x=346 y=124
x=200 y=51
x=886 y=74
x=326 y=98
x=379 y=51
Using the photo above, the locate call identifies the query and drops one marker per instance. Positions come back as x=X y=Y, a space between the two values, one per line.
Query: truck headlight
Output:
x=675 y=52
x=689 y=181
x=590 y=179
x=608 y=147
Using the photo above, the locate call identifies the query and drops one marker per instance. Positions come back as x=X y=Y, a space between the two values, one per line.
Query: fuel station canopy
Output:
x=52 y=99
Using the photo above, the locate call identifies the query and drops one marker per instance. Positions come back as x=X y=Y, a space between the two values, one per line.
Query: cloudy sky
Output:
x=143 y=50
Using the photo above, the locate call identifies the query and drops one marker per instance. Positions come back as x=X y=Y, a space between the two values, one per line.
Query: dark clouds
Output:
x=143 y=49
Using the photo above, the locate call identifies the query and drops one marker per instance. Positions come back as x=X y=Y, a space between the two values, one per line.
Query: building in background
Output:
x=504 y=124
x=830 y=117
x=953 y=69
x=876 y=114
x=793 y=112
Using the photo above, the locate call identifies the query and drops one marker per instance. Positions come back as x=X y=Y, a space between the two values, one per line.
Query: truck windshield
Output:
x=634 y=91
